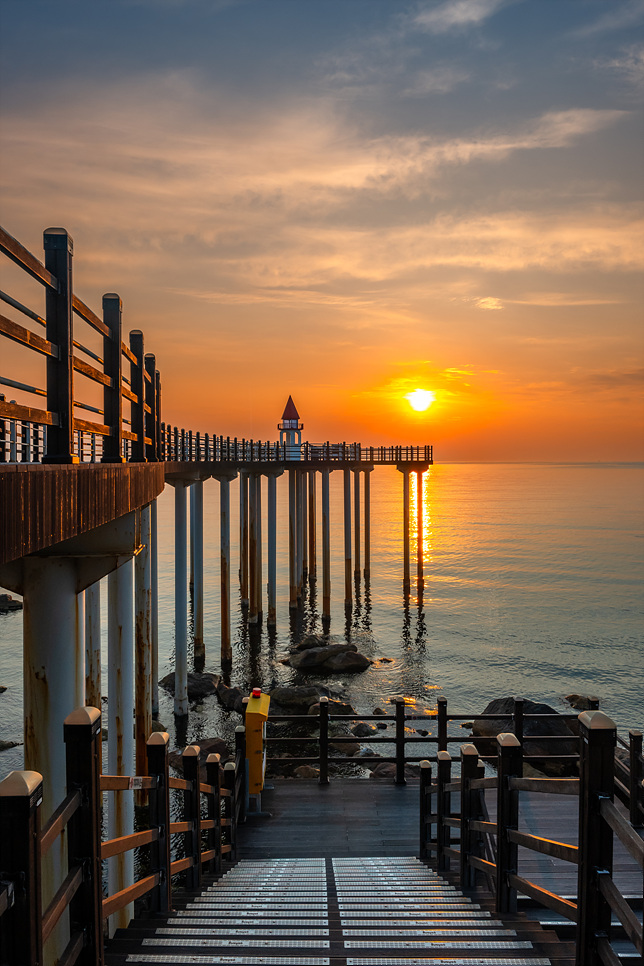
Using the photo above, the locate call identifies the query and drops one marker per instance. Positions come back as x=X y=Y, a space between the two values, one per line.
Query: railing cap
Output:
x=444 y=756
x=507 y=740
x=425 y=764
x=57 y=238
x=192 y=751
x=20 y=784
x=83 y=716
x=112 y=295
x=323 y=699
x=213 y=758
x=469 y=749
x=597 y=721
x=229 y=766
x=158 y=738
x=240 y=730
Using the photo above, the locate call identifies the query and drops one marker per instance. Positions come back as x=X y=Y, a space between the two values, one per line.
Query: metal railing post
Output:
x=214 y=812
x=443 y=810
x=157 y=746
x=469 y=771
x=425 y=808
x=83 y=751
x=324 y=741
x=400 y=741
x=192 y=813
x=150 y=418
x=509 y=765
x=59 y=249
x=517 y=719
x=598 y=736
x=241 y=764
x=636 y=790
x=230 y=780
x=441 y=709
x=137 y=385
x=113 y=367
x=21 y=933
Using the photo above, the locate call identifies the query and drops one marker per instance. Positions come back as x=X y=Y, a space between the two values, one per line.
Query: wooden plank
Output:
x=180 y=865
x=58 y=821
x=123 y=783
x=18 y=333
x=181 y=784
x=123 y=898
x=91 y=372
x=176 y=827
x=28 y=414
x=482 y=864
x=90 y=317
x=608 y=955
x=559 y=850
x=623 y=830
x=72 y=950
x=481 y=783
x=546 y=786
x=128 y=394
x=619 y=905
x=546 y=898
x=61 y=900
x=21 y=256
x=87 y=426
x=127 y=352
x=127 y=842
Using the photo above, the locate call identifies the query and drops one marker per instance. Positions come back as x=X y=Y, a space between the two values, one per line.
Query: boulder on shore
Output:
x=332 y=657
x=298 y=698
x=200 y=685
x=207 y=746
x=7 y=603
x=580 y=702
x=536 y=734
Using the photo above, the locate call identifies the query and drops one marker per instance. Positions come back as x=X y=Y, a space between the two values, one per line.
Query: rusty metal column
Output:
x=154 y=606
x=419 y=527
x=93 y=646
x=258 y=547
x=305 y=527
x=272 y=550
x=180 y=600
x=142 y=644
x=367 y=522
x=224 y=532
x=196 y=512
x=312 y=527
x=348 y=589
x=120 y=737
x=406 y=581
x=356 y=521
x=326 y=548
x=243 y=538
x=292 y=540
x=252 y=549
x=191 y=540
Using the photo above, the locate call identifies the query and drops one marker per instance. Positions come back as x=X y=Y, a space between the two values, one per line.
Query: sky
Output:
x=348 y=200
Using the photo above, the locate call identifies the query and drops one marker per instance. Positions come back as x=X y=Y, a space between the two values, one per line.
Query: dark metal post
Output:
x=151 y=431
x=231 y=808
x=509 y=765
x=324 y=741
x=59 y=249
x=441 y=709
x=82 y=735
x=160 y=425
x=596 y=782
x=214 y=812
x=137 y=384
x=192 y=813
x=157 y=745
x=469 y=770
x=425 y=808
x=400 y=741
x=241 y=764
x=443 y=809
x=517 y=719
x=636 y=809
x=113 y=367
x=21 y=933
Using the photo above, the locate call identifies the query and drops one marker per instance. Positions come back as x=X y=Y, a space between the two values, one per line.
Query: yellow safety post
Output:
x=256 y=715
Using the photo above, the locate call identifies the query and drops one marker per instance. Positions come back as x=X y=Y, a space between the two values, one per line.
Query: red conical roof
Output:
x=290 y=412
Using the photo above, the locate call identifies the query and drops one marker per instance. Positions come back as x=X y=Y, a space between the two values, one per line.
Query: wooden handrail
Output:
x=546 y=786
x=124 y=783
x=181 y=784
x=623 y=830
x=128 y=842
x=64 y=894
x=558 y=850
x=123 y=898
x=549 y=899
x=619 y=905
x=58 y=821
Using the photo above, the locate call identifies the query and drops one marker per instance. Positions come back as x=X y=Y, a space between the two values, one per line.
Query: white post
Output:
x=356 y=522
x=326 y=548
x=197 y=556
x=252 y=550
x=243 y=538
x=312 y=527
x=348 y=589
x=191 y=524
x=367 y=523
x=258 y=547
x=120 y=730
x=180 y=601
x=224 y=531
x=272 y=550
x=292 y=539
x=299 y=542
x=143 y=655
x=154 y=607
x=93 y=645
x=305 y=527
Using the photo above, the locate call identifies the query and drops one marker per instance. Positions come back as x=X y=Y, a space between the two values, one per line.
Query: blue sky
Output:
x=347 y=200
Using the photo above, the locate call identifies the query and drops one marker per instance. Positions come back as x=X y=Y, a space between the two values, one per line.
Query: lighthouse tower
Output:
x=291 y=431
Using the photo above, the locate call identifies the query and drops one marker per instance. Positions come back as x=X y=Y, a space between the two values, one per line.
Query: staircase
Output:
x=332 y=912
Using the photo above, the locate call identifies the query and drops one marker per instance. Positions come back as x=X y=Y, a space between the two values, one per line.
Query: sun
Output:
x=420 y=399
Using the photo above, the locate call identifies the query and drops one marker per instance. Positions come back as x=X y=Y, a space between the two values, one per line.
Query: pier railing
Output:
x=207 y=842
x=457 y=836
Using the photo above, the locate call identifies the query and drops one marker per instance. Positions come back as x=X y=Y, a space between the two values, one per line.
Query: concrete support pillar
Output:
x=419 y=527
x=356 y=521
x=252 y=550
x=243 y=538
x=154 y=606
x=180 y=601
x=120 y=747
x=299 y=547
x=93 y=646
x=367 y=523
x=312 y=527
x=326 y=548
x=191 y=541
x=272 y=550
x=406 y=581
x=142 y=644
x=196 y=543
x=348 y=589
x=305 y=526
x=292 y=539
x=258 y=547
x=224 y=531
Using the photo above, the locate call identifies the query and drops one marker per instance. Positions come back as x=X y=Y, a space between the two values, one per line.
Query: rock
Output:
x=422 y=731
x=2 y=689
x=382 y=725
x=300 y=698
x=466 y=724
x=348 y=748
x=231 y=698
x=200 y=685
x=542 y=730
x=363 y=730
x=312 y=640
x=317 y=656
x=580 y=702
x=7 y=603
x=335 y=707
x=157 y=726
x=379 y=711
x=5 y=745
x=387 y=769
x=347 y=661
x=306 y=772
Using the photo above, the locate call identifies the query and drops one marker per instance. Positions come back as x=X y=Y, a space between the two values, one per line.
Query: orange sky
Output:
x=345 y=202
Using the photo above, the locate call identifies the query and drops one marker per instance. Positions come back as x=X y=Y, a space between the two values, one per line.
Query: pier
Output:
x=78 y=505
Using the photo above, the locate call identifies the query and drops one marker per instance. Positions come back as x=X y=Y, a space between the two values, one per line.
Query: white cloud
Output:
x=455 y=14
x=439 y=80
x=630 y=64
x=619 y=16
x=489 y=304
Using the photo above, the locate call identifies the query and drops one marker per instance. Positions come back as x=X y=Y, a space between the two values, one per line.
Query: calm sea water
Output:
x=533 y=578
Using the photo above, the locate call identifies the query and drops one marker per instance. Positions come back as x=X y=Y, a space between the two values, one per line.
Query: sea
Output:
x=532 y=586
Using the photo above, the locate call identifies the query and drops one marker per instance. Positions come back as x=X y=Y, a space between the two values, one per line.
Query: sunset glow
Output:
x=347 y=201
x=420 y=399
